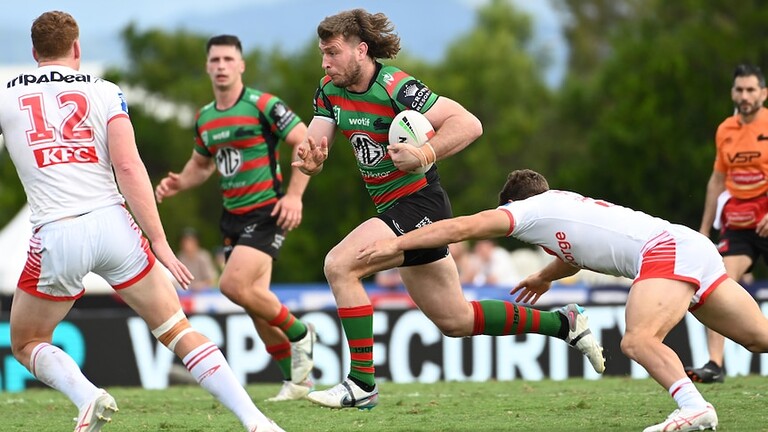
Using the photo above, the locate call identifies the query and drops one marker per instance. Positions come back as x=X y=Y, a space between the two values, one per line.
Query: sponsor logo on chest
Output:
x=223 y=135
x=360 y=122
x=61 y=155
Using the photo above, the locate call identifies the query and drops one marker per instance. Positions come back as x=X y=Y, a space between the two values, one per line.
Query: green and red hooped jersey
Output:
x=364 y=118
x=243 y=142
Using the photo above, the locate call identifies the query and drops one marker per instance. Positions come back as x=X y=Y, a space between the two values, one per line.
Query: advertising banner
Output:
x=117 y=349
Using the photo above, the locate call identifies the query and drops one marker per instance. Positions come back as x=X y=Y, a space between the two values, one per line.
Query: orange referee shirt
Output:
x=742 y=155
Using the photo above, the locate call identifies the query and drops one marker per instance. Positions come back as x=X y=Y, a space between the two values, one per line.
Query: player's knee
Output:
x=630 y=344
x=335 y=268
x=330 y=265
x=451 y=327
x=171 y=331
x=756 y=344
x=20 y=351
x=232 y=288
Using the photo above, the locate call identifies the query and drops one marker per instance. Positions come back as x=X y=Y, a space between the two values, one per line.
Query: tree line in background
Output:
x=633 y=122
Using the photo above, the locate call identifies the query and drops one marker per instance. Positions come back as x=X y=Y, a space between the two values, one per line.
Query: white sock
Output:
x=686 y=394
x=54 y=367
x=209 y=367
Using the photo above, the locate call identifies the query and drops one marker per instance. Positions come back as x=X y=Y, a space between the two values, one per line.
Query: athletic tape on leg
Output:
x=174 y=328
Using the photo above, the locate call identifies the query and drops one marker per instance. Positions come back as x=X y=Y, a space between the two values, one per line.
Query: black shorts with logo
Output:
x=428 y=205
x=743 y=242
x=256 y=229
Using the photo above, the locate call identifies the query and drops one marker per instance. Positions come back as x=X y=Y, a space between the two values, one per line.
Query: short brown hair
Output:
x=522 y=184
x=374 y=29
x=224 y=40
x=53 y=34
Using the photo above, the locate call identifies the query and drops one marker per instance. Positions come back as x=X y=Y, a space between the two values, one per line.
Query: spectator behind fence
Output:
x=466 y=266
x=198 y=260
x=388 y=279
x=220 y=259
x=493 y=265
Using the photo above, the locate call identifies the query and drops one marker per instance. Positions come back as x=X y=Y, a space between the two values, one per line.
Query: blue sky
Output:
x=426 y=27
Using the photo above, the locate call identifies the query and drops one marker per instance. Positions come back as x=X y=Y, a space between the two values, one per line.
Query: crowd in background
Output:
x=482 y=263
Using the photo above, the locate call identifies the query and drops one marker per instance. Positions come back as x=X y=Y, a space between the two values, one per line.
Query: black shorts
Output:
x=743 y=242
x=428 y=205
x=256 y=229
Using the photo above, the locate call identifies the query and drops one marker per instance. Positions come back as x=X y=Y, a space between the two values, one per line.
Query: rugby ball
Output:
x=411 y=127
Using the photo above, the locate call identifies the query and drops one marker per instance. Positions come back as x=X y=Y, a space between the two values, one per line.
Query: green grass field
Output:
x=610 y=404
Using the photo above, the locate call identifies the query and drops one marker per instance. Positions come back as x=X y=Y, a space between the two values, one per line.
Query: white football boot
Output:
x=290 y=391
x=346 y=395
x=265 y=427
x=581 y=337
x=687 y=420
x=97 y=413
x=301 y=356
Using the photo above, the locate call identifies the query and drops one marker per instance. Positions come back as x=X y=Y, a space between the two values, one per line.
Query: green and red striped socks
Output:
x=492 y=317
x=501 y=318
x=358 y=327
x=294 y=330
x=287 y=322
x=281 y=354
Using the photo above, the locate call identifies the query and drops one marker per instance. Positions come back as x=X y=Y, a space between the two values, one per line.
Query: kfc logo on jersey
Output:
x=59 y=155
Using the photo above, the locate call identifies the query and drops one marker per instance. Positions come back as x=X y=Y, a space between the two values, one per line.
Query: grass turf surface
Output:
x=609 y=404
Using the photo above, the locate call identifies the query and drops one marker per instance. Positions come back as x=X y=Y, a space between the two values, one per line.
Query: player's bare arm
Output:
x=715 y=186
x=134 y=183
x=289 y=208
x=483 y=225
x=534 y=286
x=312 y=153
x=762 y=227
x=196 y=171
x=455 y=127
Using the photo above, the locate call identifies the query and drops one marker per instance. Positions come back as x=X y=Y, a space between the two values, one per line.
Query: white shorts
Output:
x=105 y=241
x=680 y=253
